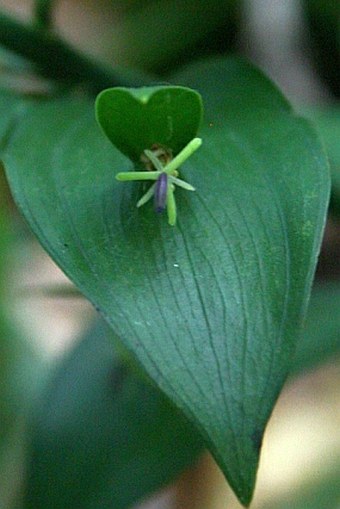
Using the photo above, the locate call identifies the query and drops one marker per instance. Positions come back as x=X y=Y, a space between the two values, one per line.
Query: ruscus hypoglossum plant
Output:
x=186 y=200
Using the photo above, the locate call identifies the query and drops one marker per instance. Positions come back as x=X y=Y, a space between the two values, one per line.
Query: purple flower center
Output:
x=161 y=192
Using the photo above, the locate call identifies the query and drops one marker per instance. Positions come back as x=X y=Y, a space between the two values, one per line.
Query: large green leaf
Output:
x=10 y=106
x=320 y=340
x=101 y=436
x=210 y=308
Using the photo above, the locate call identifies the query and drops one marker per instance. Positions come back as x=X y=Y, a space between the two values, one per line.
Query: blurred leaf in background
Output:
x=102 y=436
x=10 y=106
x=320 y=339
x=160 y=36
x=323 y=29
x=327 y=123
x=19 y=369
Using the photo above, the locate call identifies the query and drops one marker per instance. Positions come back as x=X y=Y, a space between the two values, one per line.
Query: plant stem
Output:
x=55 y=59
x=43 y=13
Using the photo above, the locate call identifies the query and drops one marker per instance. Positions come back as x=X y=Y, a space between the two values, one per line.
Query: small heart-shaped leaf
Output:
x=137 y=119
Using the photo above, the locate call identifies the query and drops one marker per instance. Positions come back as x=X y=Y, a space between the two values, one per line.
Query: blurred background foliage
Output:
x=58 y=407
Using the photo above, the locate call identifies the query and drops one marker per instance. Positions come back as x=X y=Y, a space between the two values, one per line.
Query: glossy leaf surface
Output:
x=212 y=307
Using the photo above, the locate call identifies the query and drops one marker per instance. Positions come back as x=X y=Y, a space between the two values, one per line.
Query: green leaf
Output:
x=10 y=107
x=15 y=354
x=136 y=119
x=43 y=13
x=101 y=437
x=322 y=31
x=10 y=347
x=20 y=371
x=211 y=307
x=70 y=66
x=162 y=35
x=230 y=86
x=327 y=123
x=320 y=340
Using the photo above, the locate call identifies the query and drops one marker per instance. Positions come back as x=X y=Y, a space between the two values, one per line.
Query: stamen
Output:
x=161 y=192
